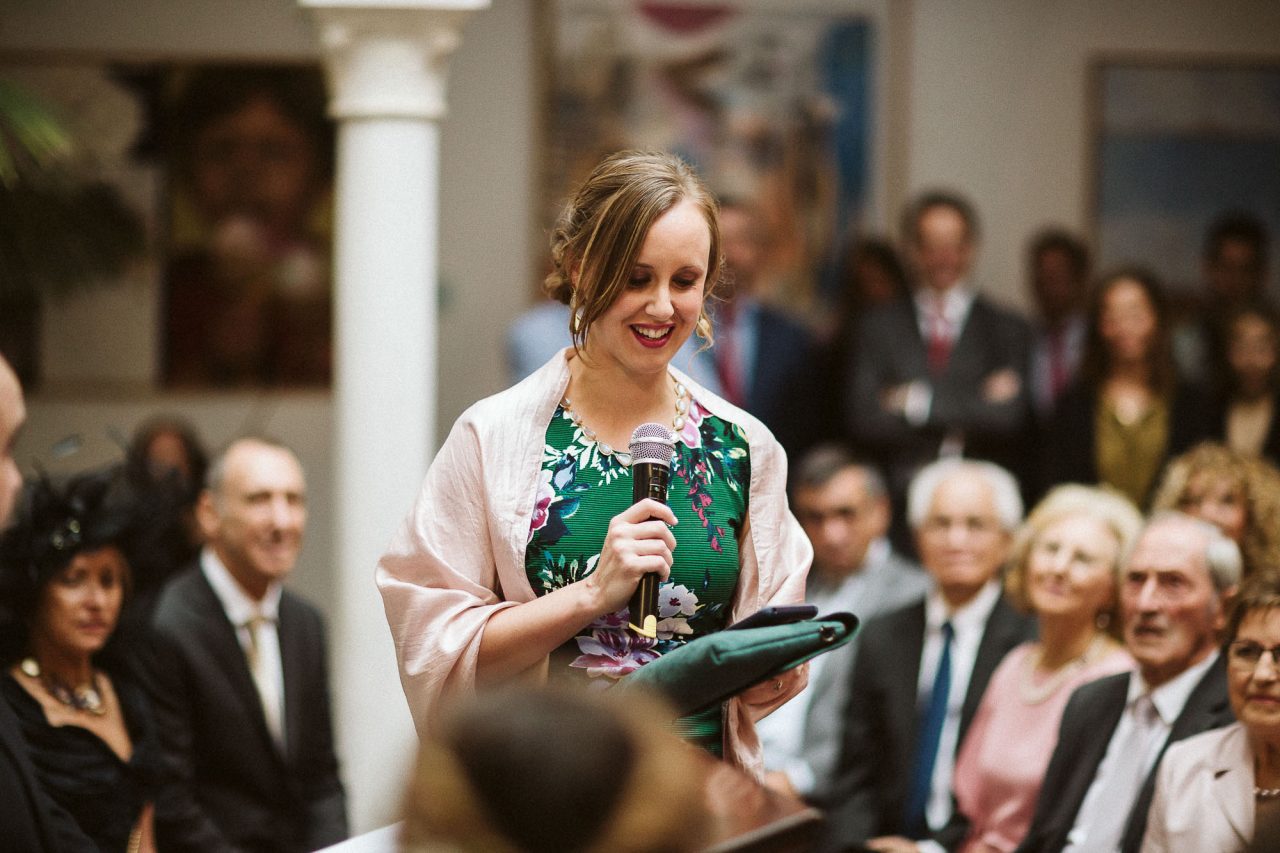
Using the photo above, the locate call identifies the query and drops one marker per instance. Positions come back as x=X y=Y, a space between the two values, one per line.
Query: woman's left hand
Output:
x=768 y=692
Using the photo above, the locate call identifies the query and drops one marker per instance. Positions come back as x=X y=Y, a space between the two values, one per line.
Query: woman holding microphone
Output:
x=524 y=547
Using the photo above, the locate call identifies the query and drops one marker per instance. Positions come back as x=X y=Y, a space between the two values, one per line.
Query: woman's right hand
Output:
x=639 y=541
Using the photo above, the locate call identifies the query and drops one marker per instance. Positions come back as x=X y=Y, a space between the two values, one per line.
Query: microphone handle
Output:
x=649 y=480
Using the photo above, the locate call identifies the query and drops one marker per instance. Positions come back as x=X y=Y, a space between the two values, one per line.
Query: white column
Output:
x=386 y=63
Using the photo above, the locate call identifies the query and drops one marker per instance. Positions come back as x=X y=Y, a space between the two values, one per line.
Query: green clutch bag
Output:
x=714 y=668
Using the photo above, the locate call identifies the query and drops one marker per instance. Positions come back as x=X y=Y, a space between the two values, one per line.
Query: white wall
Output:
x=999 y=105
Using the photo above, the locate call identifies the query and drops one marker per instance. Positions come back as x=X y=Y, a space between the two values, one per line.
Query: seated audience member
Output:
x=920 y=671
x=1064 y=569
x=64 y=577
x=1059 y=265
x=1238 y=493
x=31 y=819
x=1128 y=411
x=1097 y=790
x=1244 y=415
x=844 y=508
x=521 y=770
x=943 y=372
x=238 y=675
x=1211 y=786
x=1234 y=271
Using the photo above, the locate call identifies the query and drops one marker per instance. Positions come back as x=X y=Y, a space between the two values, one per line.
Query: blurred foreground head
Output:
x=540 y=771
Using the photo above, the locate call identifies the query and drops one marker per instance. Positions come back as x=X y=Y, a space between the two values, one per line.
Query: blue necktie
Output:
x=930 y=732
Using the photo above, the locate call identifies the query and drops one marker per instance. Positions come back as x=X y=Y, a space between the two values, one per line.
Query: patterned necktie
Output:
x=930 y=733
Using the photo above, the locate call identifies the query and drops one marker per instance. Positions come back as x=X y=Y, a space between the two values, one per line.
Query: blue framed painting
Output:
x=1177 y=144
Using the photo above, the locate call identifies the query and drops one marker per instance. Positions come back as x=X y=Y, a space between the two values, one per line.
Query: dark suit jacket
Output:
x=781 y=375
x=1071 y=452
x=1090 y=718
x=30 y=821
x=889 y=351
x=870 y=789
x=234 y=788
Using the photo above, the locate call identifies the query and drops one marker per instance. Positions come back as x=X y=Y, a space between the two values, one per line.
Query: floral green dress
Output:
x=582 y=488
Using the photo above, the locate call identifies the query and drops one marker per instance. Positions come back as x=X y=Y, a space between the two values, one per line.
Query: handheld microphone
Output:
x=652 y=448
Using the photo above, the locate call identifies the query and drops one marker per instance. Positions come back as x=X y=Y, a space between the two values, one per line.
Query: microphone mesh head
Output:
x=652 y=443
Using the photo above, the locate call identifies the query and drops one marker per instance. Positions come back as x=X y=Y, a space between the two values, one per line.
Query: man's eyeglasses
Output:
x=1246 y=653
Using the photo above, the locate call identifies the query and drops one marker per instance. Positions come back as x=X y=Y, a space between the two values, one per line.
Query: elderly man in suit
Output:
x=920 y=671
x=238 y=673
x=942 y=373
x=844 y=508
x=1114 y=731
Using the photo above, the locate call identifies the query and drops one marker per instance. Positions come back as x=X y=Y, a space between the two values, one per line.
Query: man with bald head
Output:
x=29 y=819
x=1114 y=731
x=238 y=675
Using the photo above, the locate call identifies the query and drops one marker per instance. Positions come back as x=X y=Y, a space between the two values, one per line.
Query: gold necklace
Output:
x=623 y=456
x=86 y=697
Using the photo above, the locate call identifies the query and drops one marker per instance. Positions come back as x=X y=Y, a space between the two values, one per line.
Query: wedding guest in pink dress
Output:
x=1064 y=568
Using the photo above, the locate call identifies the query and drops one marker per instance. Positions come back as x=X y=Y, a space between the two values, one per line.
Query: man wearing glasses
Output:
x=1114 y=731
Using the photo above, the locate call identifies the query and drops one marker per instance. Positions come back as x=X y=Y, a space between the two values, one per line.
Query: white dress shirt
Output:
x=1169 y=700
x=969 y=622
x=241 y=609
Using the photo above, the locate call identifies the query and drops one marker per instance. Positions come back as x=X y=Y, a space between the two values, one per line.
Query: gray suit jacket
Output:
x=234 y=788
x=893 y=583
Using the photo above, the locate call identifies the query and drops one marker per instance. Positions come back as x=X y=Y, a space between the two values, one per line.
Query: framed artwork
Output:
x=219 y=179
x=249 y=160
x=1176 y=144
x=770 y=105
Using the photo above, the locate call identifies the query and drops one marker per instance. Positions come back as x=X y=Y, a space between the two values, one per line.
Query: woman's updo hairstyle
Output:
x=602 y=227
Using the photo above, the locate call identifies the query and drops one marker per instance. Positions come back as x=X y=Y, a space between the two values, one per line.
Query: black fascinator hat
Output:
x=53 y=523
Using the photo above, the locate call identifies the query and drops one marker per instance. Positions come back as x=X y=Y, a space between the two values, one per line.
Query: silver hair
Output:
x=1221 y=554
x=1003 y=485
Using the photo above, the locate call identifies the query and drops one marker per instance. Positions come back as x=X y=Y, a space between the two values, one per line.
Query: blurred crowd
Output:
x=1096 y=674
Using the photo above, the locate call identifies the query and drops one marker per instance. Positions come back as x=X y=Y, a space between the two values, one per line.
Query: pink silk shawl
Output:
x=454 y=562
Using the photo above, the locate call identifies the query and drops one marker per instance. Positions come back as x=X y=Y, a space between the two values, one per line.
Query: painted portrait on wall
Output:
x=247 y=293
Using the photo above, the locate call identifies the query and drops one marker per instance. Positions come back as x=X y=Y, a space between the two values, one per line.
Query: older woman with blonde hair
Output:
x=1064 y=567
x=525 y=545
x=1238 y=493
